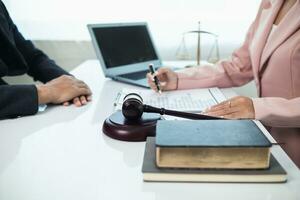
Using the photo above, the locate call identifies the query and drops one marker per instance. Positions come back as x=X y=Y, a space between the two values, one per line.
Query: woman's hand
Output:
x=236 y=108
x=63 y=90
x=168 y=79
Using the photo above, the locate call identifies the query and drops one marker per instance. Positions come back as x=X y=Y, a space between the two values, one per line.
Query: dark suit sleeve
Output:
x=18 y=100
x=40 y=66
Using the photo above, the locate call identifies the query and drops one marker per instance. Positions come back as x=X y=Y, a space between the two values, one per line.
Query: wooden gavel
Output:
x=133 y=108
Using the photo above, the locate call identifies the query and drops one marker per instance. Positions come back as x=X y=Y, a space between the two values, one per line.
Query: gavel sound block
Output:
x=120 y=128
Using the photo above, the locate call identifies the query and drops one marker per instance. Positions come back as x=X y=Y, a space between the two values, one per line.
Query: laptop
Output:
x=125 y=51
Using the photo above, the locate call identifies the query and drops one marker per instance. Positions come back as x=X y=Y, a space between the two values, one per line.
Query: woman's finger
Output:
x=232 y=116
x=150 y=77
x=217 y=113
x=233 y=102
x=226 y=102
x=152 y=85
x=222 y=112
x=221 y=106
x=163 y=70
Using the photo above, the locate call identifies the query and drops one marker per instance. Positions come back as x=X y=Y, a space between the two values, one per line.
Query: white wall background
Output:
x=168 y=19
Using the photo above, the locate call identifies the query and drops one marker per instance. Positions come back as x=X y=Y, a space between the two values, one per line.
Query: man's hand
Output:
x=236 y=108
x=63 y=90
x=79 y=101
x=168 y=79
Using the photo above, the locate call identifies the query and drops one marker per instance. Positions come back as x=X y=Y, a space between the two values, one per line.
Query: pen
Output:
x=117 y=98
x=156 y=81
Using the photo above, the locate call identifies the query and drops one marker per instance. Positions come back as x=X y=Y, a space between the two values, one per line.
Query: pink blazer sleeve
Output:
x=227 y=73
x=277 y=112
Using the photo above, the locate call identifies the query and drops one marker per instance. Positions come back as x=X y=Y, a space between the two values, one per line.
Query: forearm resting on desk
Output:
x=278 y=112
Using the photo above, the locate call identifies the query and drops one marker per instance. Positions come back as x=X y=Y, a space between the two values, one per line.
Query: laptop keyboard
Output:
x=135 y=75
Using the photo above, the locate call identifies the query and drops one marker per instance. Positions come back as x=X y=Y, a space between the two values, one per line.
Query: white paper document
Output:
x=195 y=100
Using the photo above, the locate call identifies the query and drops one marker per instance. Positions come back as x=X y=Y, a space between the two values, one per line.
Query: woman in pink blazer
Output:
x=270 y=55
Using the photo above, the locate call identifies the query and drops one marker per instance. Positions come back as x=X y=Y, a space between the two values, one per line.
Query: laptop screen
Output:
x=124 y=45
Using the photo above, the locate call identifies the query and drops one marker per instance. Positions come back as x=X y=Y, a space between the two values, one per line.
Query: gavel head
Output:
x=132 y=107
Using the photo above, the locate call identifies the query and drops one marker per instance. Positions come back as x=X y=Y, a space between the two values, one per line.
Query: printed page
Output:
x=195 y=100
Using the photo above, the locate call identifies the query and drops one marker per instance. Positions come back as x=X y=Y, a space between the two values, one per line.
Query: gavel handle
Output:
x=187 y=115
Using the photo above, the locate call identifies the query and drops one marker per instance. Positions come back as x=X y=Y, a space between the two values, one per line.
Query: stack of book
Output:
x=210 y=151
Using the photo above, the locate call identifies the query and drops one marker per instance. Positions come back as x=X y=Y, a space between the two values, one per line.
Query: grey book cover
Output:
x=209 y=133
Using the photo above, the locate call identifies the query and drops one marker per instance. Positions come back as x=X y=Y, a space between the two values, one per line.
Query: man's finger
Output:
x=66 y=103
x=83 y=100
x=89 y=98
x=80 y=81
x=84 y=91
x=82 y=85
x=76 y=101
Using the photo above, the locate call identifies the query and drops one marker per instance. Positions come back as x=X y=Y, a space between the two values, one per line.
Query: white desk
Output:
x=61 y=154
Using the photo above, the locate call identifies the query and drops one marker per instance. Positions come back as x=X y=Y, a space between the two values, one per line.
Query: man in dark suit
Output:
x=19 y=56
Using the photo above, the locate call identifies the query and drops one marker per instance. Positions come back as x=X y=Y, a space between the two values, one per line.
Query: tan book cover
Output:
x=224 y=144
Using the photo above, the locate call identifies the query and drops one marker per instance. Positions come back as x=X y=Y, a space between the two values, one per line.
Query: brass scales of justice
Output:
x=182 y=51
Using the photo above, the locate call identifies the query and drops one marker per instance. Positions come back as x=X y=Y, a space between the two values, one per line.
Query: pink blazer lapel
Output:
x=289 y=24
x=267 y=16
